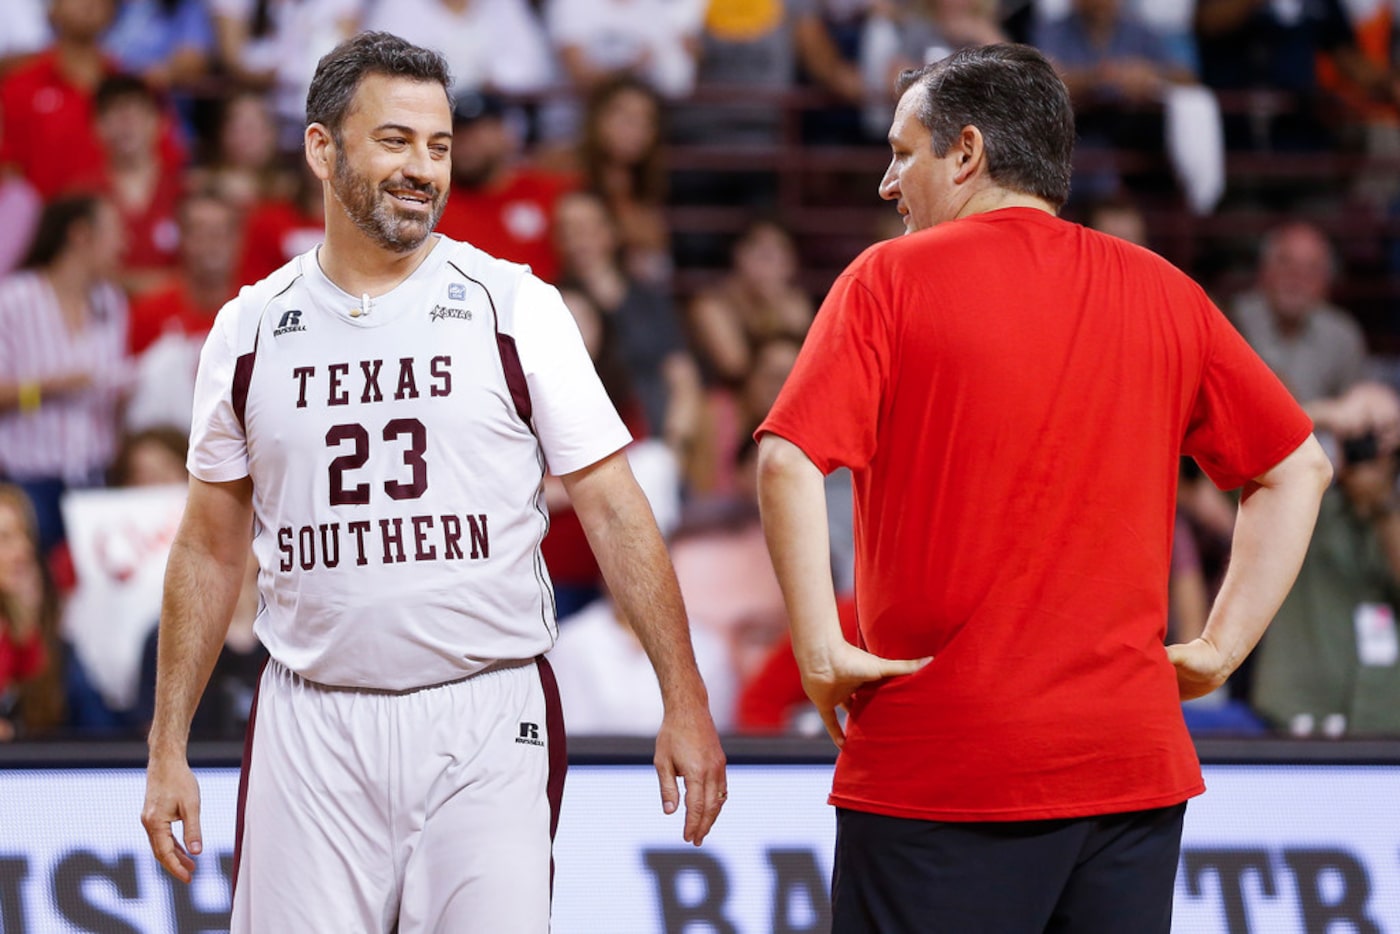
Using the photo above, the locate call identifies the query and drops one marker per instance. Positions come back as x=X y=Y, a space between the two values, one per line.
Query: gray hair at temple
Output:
x=340 y=71
x=1013 y=95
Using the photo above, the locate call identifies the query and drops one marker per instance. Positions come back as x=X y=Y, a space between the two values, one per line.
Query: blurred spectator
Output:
x=757 y=300
x=472 y=35
x=731 y=417
x=655 y=41
x=1269 y=45
x=1109 y=58
x=227 y=701
x=573 y=568
x=186 y=304
x=28 y=620
x=664 y=375
x=47 y=131
x=1118 y=216
x=497 y=203
x=605 y=680
x=142 y=187
x=274 y=45
x=827 y=36
x=169 y=323
x=119 y=539
x=1316 y=348
x=242 y=166
x=620 y=159
x=168 y=43
x=730 y=591
x=743 y=44
x=1330 y=662
x=1172 y=20
x=63 y=360
x=773 y=701
x=26 y=32
x=913 y=33
x=1119 y=72
x=1376 y=118
x=151 y=457
x=281 y=227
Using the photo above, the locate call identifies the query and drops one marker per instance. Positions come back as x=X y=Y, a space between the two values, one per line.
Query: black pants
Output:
x=1096 y=875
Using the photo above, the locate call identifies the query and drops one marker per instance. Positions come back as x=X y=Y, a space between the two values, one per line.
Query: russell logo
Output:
x=529 y=734
x=290 y=321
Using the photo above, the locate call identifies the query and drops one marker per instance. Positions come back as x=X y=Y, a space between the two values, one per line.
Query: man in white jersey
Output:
x=380 y=413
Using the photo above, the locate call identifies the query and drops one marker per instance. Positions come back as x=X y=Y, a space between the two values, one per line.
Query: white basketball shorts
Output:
x=431 y=810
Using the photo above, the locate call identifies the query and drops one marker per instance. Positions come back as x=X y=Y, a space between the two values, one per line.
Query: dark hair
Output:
x=647 y=177
x=1013 y=95
x=56 y=227
x=340 y=71
x=119 y=87
x=175 y=442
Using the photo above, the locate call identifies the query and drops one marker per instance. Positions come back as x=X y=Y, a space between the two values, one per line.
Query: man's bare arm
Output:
x=202 y=579
x=622 y=532
x=793 y=500
x=1276 y=517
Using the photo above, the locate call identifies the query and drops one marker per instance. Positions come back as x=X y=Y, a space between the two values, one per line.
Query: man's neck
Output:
x=993 y=198
x=80 y=62
x=358 y=265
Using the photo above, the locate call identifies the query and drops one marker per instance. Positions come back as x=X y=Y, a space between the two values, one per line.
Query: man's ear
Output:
x=972 y=153
x=320 y=151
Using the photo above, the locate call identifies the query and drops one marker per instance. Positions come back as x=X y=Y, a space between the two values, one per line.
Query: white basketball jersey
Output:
x=397 y=449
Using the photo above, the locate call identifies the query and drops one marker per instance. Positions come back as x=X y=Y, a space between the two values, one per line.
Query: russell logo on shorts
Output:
x=529 y=734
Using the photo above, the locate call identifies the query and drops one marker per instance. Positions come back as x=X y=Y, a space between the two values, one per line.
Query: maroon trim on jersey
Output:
x=510 y=356
x=515 y=376
x=243 y=778
x=242 y=380
x=558 y=751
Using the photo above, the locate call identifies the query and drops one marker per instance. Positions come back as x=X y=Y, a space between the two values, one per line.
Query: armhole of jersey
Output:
x=507 y=351
x=243 y=366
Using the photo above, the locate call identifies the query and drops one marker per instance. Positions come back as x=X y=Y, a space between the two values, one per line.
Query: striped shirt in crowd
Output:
x=71 y=436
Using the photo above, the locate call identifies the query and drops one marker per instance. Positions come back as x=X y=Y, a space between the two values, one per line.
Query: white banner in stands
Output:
x=1278 y=849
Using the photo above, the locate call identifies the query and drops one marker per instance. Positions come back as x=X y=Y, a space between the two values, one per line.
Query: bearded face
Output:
x=398 y=213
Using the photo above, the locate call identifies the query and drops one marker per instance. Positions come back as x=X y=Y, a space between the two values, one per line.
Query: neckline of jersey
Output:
x=342 y=302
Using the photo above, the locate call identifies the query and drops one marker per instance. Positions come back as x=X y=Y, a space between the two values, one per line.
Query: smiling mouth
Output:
x=413 y=198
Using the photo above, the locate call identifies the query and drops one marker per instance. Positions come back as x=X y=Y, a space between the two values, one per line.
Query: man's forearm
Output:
x=624 y=537
x=200 y=594
x=1275 y=524
x=792 y=498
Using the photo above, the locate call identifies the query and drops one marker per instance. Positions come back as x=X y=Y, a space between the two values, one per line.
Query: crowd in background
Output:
x=150 y=166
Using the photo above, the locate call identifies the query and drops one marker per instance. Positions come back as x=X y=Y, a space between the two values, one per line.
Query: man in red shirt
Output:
x=47 y=131
x=1013 y=393
x=188 y=301
x=497 y=204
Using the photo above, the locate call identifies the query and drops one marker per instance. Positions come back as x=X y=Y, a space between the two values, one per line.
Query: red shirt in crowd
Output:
x=19 y=661
x=275 y=232
x=166 y=310
x=1013 y=393
x=48 y=131
x=512 y=221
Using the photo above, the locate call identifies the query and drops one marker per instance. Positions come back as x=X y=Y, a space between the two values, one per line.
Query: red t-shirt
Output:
x=275 y=233
x=47 y=127
x=1012 y=393
x=48 y=130
x=165 y=310
x=513 y=221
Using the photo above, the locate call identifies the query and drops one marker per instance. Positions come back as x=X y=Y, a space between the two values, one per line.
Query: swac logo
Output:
x=456 y=291
x=291 y=321
x=442 y=311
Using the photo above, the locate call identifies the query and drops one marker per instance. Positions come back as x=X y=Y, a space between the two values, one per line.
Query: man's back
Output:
x=1015 y=395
